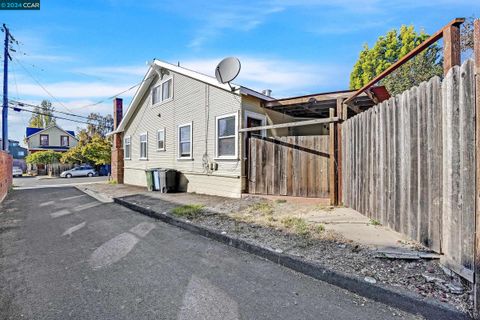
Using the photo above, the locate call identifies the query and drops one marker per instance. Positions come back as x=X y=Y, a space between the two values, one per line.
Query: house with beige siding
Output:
x=184 y=120
x=51 y=138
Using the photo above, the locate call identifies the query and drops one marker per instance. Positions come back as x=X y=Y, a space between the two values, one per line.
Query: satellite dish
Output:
x=227 y=70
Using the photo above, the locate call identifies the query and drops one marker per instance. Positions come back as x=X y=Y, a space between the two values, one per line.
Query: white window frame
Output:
x=253 y=115
x=164 y=138
x=140 y=146
x=130 y=147
x=179 y=157
x=162 y=101
x=235 y=156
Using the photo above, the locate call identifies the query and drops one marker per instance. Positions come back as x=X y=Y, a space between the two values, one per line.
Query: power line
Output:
x=40 y=85
x=24 y=104
x=120 y=93
x=58 y=101
x=49 y=115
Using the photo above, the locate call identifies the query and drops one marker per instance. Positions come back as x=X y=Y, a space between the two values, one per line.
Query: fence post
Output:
x=333 y=159
x=476 y=286
x=451 y=47
x=339 y=151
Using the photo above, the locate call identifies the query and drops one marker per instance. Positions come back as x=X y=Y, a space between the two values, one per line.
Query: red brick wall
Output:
x=6 y=162
x=117 y=148
x=117 y=164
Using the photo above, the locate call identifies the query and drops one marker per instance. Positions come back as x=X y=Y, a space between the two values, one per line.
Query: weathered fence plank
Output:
x=409 y=162
x=467 y=162
x=293 y=166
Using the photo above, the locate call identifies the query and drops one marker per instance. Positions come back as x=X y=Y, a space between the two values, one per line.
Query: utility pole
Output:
x=6 y=56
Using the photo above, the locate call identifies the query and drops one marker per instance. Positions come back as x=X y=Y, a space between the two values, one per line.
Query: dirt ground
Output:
x=311 y=231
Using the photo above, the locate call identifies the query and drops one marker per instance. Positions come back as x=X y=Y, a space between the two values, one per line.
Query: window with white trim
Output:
x=185 y=141
x=163 y=92
x=161 y=140
x=143 y=145
x=127 y=147
x=226 y=136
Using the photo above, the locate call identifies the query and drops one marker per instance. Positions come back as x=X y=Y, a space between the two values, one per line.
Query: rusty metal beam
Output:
x=435 y=37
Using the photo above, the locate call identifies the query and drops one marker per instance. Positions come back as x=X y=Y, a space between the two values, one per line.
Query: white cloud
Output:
x=113 y=71
x=284 y=77
x=74 y=89
x=220 y=17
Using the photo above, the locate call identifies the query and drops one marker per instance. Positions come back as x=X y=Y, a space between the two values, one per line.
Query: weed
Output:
x=280 y=201
x=264 y=208
x=112 y=181
x=299 y=225
x=374 y=222
x=319 y=228
x=189 y=211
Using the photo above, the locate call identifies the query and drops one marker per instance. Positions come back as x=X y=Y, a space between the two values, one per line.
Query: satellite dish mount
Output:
x=227 y=70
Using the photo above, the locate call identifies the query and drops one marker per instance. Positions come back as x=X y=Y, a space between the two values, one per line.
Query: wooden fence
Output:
x=409 y=163
x=289 y=166
x=55 y=169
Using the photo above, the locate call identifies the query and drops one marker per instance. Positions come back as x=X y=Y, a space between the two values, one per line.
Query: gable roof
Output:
x=150 y=75
x=33 y=131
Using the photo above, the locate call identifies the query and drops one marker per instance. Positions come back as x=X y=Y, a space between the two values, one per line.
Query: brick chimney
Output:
x=117 y=148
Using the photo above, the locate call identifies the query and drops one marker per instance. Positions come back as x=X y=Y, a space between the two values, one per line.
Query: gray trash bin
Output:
x=168 y=180
x=156 y=180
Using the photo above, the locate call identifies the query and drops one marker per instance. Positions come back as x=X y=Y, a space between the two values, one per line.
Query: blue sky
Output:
x=83 y=52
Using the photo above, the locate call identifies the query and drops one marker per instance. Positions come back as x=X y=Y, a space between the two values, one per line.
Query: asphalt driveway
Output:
x=64 y=255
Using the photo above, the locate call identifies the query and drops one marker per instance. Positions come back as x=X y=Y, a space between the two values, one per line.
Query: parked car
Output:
x=17 y=172
x=82 y=171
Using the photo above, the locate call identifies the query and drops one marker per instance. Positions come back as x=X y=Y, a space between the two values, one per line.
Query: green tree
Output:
x=98 y=151
x=466 y=35
x=43 y=157
x=390 y=48
x=43 y=115
x=95 y=151
x=98 y=124
x=73 y=155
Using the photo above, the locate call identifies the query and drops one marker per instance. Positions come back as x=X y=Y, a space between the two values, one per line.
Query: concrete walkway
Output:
x=354 y=226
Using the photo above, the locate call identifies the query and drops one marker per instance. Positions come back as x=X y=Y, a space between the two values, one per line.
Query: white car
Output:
x=82 y=171
x=17 y=172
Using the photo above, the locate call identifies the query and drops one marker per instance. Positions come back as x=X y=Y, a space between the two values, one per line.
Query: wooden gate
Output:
x=289 y=166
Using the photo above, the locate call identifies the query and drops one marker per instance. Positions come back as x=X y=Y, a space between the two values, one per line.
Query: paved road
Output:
x=43 y=181
x=64 y=255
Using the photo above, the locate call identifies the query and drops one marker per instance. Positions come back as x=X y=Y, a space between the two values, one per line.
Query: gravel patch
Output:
x=424 y=277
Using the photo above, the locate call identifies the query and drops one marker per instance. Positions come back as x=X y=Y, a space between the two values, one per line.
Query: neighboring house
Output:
x=185 y=120
x=50 y=138
x=17 y=151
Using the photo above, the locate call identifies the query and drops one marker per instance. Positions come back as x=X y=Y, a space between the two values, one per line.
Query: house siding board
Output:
x=190 y=98
x=54 y=135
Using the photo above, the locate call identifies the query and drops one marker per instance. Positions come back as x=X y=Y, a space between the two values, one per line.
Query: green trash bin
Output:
x=149 y=174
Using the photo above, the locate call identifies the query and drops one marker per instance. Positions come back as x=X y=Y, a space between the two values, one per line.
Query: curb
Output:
x=96 y=195
x=401 y=299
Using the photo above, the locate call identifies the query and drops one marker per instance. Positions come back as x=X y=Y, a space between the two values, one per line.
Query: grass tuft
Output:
x=189 y=211
x=299 y=225
x=374 y=222
x=264 y=208
x=320 y=228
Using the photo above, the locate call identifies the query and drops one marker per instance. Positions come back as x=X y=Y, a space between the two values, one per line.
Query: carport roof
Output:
x=318 y=105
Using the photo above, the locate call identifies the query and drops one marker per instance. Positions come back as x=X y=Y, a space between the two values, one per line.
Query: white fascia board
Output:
x=147 y=80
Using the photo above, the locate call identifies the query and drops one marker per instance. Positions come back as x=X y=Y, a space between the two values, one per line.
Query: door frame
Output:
x=253 y=115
